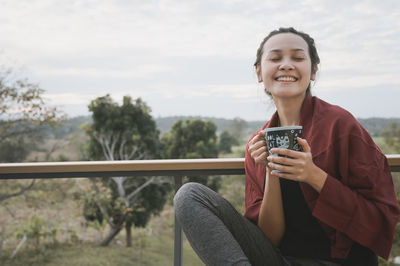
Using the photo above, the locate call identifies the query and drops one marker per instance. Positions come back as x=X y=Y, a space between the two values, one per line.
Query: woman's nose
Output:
x=286 y=65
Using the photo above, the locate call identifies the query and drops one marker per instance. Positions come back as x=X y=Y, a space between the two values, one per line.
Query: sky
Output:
x=195 y=57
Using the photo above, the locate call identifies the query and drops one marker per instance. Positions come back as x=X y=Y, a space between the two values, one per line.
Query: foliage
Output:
x=392 y=136
x=374 y=125
x=23 y=112
x=193 y=139
x=238 y=128
x=129 y=127
x=35 y=230
x=226 y=141
x=124 y=132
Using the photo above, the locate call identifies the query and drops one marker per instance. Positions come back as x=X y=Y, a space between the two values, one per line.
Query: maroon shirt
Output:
x=357 y=201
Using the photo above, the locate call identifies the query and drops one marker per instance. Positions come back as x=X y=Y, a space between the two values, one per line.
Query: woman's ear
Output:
x=258 y=72
x=314 y=73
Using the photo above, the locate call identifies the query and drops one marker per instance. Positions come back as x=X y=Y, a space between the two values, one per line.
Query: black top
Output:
x=304 y=236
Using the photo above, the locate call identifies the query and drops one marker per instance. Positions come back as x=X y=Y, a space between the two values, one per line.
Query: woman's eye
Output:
x=275 y=59
x=298 y=58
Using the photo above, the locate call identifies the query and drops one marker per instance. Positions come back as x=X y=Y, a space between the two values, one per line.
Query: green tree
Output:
x=226 y=141
x=124 y=132
x=238 y=128
x=192 y=139
x=23 y=113
x=392 y=136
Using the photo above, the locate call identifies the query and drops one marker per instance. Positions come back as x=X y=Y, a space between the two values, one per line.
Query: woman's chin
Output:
x=288 y=93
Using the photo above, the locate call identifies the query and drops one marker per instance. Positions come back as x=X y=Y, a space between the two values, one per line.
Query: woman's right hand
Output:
x=258 y=148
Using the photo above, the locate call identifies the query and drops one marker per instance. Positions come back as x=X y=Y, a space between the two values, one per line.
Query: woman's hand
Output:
x=258 y=148
x=299 y=167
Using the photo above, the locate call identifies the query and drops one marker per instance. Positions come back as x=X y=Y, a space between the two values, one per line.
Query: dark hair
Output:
x=307 y=38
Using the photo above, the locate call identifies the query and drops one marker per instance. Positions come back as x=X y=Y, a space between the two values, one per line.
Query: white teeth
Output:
x=286 y=79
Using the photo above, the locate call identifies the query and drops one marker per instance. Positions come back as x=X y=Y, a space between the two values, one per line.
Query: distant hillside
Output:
x=373 y=125
x=164 y=124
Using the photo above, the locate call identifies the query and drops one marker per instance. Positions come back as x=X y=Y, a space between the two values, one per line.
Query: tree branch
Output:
x=121 y=149
x=119 y=181
x=22 y=191
x=133 y=152
x=99 y=138
x=136 y=191
x=114 y=142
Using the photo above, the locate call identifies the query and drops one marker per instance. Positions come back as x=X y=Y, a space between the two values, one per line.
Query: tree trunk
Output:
x=128 y=228
x=110 y=236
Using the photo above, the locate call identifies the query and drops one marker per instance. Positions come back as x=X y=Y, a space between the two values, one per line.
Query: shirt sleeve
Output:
x=360 y=202
x=253 y=189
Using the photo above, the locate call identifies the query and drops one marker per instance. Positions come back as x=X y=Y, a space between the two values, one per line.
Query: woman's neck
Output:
x=289 y=110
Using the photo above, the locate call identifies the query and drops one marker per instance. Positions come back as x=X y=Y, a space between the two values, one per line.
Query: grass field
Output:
x=148 y=250
x=152 y=245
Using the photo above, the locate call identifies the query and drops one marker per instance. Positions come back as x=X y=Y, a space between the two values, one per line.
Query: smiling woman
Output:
x=298 y=52
x=332 y=203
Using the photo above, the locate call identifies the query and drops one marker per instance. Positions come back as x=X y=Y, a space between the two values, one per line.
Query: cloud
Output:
x=67 y=98
x=166 y=49
x=139 y=72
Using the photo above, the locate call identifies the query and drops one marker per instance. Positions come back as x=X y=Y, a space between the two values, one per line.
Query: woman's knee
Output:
x=185 y=194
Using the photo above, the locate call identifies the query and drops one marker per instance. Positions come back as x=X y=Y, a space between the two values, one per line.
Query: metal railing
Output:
x=176 y=168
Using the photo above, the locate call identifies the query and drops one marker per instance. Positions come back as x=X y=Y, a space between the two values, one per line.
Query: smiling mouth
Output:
x=286 y=79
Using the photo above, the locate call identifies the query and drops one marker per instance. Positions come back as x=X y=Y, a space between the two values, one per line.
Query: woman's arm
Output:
x=271 y=219
x=271 y=216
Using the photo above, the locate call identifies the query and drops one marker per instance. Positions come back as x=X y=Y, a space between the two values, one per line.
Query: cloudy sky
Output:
x=195 y=57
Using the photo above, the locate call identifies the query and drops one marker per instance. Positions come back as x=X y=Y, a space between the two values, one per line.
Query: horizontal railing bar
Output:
x=122 y=173
x=394 y=162
x=133 y=165
x=175 y=167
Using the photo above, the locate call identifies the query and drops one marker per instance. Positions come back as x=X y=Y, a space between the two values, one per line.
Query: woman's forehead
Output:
x=285 y=42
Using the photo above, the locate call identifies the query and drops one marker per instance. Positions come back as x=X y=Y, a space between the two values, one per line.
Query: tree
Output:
x=238 y=128
x=23 y=112
x=226 y=141
x=191 y=139
x=126 y=132
x=392 y=136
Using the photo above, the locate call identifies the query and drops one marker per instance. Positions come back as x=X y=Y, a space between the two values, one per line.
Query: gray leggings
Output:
x=222 y=236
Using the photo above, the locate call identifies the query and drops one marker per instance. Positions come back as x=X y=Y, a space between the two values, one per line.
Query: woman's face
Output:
x=285 y=67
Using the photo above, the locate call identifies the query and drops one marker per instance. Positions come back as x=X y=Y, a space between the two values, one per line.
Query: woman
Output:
x=332 y=204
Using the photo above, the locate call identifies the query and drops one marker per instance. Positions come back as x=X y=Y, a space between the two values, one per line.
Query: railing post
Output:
x=178 y=230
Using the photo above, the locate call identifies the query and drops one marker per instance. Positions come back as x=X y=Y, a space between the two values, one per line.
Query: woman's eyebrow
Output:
x=279 y=50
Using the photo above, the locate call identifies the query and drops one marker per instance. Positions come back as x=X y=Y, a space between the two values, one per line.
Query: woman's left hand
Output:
x=299 y=167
